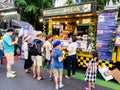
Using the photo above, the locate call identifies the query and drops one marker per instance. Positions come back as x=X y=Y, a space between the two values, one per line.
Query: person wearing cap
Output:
x=37 y=57
x=8 y=45
x=57 y=64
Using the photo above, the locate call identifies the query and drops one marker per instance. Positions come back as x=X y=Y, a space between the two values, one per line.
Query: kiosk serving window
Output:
x=82 y=30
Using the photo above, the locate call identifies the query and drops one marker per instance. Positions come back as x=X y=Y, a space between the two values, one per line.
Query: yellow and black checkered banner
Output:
x=101 y=63
x=85 y=57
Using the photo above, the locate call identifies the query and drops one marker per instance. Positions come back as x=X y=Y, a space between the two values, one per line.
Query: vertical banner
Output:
x=106 y=25
x=117 y=39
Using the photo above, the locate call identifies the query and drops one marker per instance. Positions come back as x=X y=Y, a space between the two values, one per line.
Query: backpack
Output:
x=35 y=47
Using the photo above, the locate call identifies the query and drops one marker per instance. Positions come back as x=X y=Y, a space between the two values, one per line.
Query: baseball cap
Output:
x=56 y=43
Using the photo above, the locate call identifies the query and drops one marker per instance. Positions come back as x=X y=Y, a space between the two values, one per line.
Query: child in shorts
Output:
x=57 y=64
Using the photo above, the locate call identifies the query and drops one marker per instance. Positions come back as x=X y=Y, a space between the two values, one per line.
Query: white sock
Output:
x=60 y=83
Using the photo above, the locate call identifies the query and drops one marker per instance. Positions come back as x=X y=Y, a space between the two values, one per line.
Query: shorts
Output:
x=49 y=65
x=1 y=54
x=57 y=72
x=37 y=60
x=9 y=57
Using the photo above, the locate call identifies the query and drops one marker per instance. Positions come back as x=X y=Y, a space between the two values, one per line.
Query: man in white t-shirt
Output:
x=48 y=55
x=71 y=61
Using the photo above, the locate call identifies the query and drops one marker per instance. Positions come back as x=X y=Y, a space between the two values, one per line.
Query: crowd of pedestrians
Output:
x=33 y=53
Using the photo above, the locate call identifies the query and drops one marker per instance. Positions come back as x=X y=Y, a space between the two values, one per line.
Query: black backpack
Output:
x=35 y=47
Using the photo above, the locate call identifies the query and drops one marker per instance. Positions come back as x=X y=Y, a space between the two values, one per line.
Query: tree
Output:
x=100 y=3
x=30 y=10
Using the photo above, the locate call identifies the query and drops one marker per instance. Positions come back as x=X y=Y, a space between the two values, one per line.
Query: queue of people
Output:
x=33 y=58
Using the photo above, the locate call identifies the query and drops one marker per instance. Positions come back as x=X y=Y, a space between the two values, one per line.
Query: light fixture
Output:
x=9 y=13
x=66 y=21
x=53 y=22
x=58 y=23
x=77 y=21
x=41 y=20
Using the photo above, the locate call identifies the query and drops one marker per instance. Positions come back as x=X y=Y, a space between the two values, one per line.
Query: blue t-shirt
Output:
x=55 y=55
x=6 y=40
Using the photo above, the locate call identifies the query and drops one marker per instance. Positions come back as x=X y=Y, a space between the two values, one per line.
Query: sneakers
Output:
x=13 y=72
x=56 y=87
x=50 y=78
x=67 y=77
x=10 y=75
x=61 y=86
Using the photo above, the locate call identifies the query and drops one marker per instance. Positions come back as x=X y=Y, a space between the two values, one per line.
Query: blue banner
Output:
x=106 y=25
x=105 y=56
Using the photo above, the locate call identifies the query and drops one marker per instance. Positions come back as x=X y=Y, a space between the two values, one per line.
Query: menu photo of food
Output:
x=99 y=45
x=117 y=40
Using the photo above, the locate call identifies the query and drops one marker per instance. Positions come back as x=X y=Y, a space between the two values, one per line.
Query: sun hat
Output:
x=39 y=33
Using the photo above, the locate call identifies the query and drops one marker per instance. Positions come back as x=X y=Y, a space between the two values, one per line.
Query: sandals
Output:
x=40 y=78
x=92 y=87
x=28 y=71
x=86 y=88
x=34 y=76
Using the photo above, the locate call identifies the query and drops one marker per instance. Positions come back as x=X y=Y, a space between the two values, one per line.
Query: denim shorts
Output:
x=49 y=65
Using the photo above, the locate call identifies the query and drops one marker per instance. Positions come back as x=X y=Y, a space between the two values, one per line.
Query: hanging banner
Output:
x=117 y=40
x=106 y=25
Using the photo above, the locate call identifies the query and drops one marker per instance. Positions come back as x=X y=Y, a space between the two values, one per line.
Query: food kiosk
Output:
x=80 y=20
x=83 y=21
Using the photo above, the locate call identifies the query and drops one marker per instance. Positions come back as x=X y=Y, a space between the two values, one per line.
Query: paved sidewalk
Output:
x=24 y=81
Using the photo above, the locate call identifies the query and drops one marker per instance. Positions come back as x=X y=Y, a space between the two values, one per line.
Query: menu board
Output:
x=117 y=39
x=106 y=25
x=80 y=44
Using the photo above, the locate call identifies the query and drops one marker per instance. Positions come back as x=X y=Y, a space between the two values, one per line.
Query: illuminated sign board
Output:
x=84 y=8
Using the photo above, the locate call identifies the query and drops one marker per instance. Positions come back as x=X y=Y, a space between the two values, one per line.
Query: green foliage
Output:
x=92 y=33
x=44 y=29
x=30 y=10
x=21 y=3
x=112 y=41
x=100 y=3
x=69 y=2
